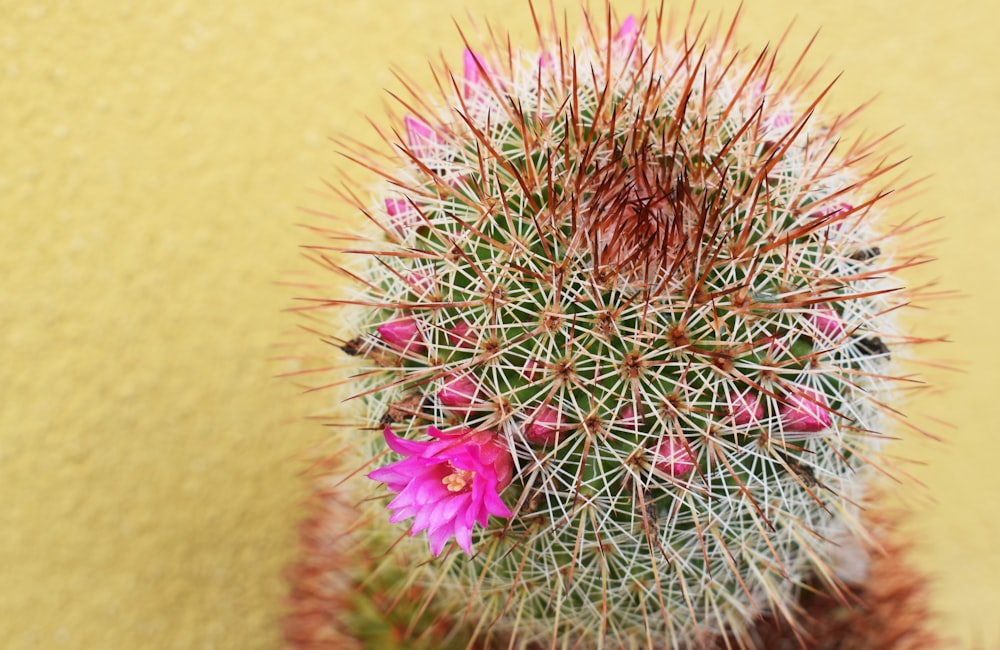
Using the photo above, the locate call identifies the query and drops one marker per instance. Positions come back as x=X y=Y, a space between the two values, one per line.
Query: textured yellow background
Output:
x=153 y=158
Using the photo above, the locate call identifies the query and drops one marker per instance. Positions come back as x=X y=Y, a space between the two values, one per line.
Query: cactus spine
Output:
x=639 y=291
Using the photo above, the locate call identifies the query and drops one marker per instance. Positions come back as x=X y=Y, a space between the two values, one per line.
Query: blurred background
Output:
x=155 y=161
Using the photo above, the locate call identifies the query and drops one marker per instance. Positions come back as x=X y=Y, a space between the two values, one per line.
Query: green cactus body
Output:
x=646 y=270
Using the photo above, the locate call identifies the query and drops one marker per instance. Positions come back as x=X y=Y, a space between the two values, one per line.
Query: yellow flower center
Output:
x=458 y=480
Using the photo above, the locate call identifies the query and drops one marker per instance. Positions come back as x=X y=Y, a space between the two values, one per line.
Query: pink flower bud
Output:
x=402 y=216
x=396 y=207
x=421 y=282
x=457 y=181
x=777 y=347
x=420 y=136
x=673 y=457
x=782 y=120
x=403 y=334
x=628 y=418
x=833 y=213
x=474 y=71
x=745 y=408
x=627 y=34
x=840 y=208
x=461 y=335
x=544 y=426
x=805 y=410
x=827 y=322
x=459 y=392
x=532 y=370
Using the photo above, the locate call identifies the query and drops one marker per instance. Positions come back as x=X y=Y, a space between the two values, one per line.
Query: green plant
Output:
x=626 y=315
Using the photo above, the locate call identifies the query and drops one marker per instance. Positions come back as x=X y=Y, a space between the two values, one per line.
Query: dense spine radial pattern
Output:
x=625 y=320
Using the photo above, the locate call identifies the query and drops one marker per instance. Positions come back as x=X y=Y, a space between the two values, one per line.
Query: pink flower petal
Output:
x=438 y=539
x=405 y=447
x=494 y=505
x=463 y=536
x=434 y=432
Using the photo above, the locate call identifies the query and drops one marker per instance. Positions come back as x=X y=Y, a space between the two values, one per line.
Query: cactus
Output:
x=626 y=328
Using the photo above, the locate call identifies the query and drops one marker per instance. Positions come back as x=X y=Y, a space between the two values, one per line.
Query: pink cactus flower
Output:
x=826 y=321
x=673 y=457
x=745 y=408
x=447 y=485
x=805 y=410
x=403 y=334
x=459 y=392
x=544 y=426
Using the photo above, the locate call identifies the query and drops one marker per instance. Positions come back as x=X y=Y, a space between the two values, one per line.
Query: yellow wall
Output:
x=153 y=156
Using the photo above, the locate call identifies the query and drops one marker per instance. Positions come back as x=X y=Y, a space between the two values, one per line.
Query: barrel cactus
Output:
x=624 y=330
